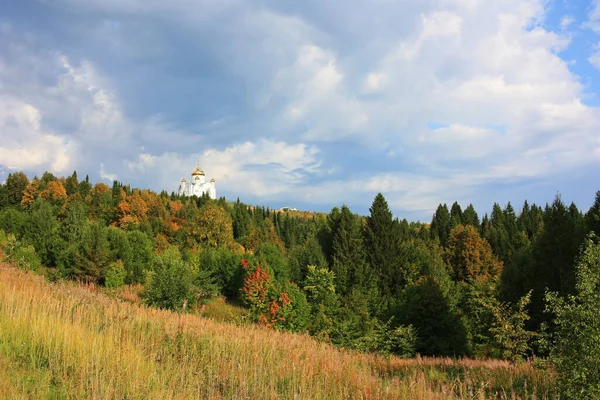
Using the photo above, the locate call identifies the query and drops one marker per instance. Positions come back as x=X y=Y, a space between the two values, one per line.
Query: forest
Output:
x=513 y=285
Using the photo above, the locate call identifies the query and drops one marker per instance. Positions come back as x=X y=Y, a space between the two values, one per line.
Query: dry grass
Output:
x=69 y=342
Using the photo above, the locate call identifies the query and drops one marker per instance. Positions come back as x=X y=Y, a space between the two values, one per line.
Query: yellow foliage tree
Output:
x=469 y=256
x=213 y=227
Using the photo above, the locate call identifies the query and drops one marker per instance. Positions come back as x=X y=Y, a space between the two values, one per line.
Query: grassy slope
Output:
x=64 y=341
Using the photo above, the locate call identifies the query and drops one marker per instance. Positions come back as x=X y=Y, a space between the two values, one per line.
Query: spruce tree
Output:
x=348 y=255
x=382 y=240
x=593 y=216
x=441 y=224
x=456 y=215
x=470 y=217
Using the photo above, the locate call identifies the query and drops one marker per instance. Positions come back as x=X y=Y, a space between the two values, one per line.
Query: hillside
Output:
x=66 y=341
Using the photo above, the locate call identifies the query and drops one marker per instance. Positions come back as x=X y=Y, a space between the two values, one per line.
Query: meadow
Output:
x=62 y=341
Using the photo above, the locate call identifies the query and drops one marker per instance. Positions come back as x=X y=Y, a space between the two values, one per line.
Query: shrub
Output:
x=23 y=257
x=384 y=339
x=170 y=282
x=26 y=258
x=115 y=274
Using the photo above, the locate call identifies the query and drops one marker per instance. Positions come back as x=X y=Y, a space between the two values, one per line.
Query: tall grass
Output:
x=64 y=341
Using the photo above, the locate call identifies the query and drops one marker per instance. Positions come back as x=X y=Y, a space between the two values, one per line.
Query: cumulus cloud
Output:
x=261 y=87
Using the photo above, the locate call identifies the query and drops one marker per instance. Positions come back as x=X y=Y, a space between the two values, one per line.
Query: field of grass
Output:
x=64 y=341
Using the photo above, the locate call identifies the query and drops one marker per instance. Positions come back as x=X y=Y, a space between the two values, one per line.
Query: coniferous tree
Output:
x=382 y=239
x=593 y=216
x=72 y=184
x=456 y=215
x=348 y=251
x=470 y=217
x=441 y=224
x=554 y=253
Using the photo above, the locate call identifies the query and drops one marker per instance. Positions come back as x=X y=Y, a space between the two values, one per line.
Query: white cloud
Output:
x=566 y=22
x=266 y=168
x=25 y=144
x=489 y=71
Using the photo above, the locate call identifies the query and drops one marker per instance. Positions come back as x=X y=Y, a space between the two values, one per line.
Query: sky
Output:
x=309 y=104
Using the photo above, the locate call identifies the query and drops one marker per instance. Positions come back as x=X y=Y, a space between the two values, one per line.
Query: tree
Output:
x=510 y=335
x=554 y=252
x=54 y=192
x=72 y=184
x=593 y=215
x=470 y=217
x=469 y=256
x=456 y=215
x=382 y=238
x=320 y=292
x=15 y=186
x=30 y=193
x=441 y=224
x=212 y=227
x=438 y=327
x=348 y=253
x=575 y=344
x=170 y=282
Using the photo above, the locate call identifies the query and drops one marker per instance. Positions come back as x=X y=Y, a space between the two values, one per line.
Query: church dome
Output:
x=183 y=180
x=197 y=171
x=212 y=180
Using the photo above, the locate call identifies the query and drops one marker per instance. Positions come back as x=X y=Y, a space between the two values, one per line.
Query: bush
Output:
x=114 y=275
x=26 y=258
x=384 y=339
x=575 y=344
x=170 y=282
x=23 y=257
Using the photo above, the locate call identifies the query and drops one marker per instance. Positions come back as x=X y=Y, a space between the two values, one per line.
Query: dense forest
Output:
x=458 y=286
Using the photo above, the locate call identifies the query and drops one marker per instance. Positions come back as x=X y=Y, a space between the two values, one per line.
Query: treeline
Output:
x=462 y=285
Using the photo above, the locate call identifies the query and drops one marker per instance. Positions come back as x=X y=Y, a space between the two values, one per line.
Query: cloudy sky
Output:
x=309 y=103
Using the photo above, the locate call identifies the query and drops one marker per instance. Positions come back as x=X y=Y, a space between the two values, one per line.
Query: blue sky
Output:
x=309 y=104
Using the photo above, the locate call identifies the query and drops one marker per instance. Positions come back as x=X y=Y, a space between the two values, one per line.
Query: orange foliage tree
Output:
x=54 y=192
x=30 y=193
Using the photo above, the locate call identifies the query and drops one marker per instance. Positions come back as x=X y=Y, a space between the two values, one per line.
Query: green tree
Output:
x=554 y=252
x=170 y=283
x=510 y=335
x=382 y=239
x=456 y=215
x=72 y=184
x=575 y=343
x=593 y=216
x=300 y=257
x=439 y=329
x=348 y=252
x=15 y=186
x=441 y=224
x=470 y=217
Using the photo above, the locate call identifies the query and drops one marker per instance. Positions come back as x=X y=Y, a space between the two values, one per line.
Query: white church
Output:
x=198 y=186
